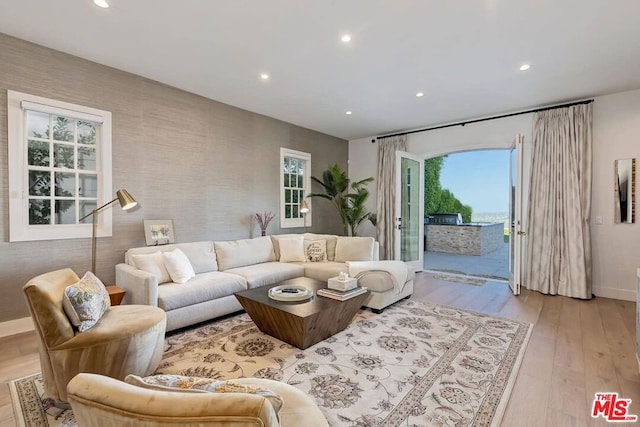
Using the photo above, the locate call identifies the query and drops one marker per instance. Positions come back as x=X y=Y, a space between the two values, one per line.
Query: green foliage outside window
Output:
x=437 y=199
x=63 y=157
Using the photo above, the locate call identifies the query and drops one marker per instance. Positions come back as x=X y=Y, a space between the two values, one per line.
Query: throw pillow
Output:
x=178 y=266
x=275 y=238
x=85 y=302
x=202 y=385
x=354 y=249
x=291 y=249
x=315 y=250
x=153 y=264
x=331 y=243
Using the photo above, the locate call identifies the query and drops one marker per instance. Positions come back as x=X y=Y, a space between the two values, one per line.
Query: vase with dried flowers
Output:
x=263 y=219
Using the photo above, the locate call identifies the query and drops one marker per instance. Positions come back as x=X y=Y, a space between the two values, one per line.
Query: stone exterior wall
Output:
x=470 y=239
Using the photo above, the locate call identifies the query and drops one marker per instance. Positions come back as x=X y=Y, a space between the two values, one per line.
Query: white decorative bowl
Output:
x=290 y=293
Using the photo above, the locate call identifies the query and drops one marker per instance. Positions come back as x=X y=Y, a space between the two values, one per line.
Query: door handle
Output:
x=522 y=233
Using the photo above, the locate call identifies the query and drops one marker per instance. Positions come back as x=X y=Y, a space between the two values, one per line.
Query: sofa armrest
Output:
x=141 y=287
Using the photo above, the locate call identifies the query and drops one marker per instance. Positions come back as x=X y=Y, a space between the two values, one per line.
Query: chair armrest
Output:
x=98 y=400
x=141 y=287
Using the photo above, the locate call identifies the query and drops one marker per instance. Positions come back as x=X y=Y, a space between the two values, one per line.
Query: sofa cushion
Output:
x=153 y=264
x=178 y=266
x=291 y=249
x=354 y=249
x=323 y=271
x=331 y=243
x=268 y=273
x=200 y=254
x=203 y=287
x=275 y=240
x=238 y=253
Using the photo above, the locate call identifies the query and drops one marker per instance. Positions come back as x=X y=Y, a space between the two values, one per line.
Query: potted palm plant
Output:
x=349 y=198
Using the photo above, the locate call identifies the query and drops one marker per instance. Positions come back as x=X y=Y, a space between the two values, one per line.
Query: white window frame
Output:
x=19 y=227
x=306 y=219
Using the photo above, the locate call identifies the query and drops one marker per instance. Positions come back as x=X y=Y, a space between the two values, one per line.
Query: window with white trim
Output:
x=295 y=185
x=59 y=168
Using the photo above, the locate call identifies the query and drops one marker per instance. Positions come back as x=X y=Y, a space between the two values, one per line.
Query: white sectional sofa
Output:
x=222 y=268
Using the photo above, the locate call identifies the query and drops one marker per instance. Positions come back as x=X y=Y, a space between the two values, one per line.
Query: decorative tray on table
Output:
x=290 y=293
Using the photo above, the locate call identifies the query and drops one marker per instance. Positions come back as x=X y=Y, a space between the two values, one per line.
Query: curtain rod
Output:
x=502 y=116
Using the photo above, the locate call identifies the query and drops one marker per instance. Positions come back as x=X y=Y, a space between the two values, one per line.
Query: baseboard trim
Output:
x=615 y=293
x=17 y=326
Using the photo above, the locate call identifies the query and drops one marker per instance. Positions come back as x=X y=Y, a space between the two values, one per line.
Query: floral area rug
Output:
x=416 y=364
x=32 y=410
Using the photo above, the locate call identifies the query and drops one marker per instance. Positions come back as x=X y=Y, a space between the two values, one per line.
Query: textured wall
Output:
x=206 y=165
x=615 y=247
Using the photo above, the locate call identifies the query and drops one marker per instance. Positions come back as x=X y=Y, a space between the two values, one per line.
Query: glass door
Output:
x=409 y=214
x=516 y=228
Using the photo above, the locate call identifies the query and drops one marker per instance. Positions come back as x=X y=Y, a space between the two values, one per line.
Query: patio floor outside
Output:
x=494 y=265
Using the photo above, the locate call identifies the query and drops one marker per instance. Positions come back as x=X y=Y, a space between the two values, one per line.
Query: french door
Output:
x=409 y=210
x=517 y=233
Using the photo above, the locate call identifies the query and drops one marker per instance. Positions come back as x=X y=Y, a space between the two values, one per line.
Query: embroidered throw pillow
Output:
x=291 y=249
x=202 y=385
x=85 y=302
x=178 y=266
x=315 y=250
x=152 y=264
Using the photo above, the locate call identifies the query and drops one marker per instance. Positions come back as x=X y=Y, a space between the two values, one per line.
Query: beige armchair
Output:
x=105 y=402
x=127 y=340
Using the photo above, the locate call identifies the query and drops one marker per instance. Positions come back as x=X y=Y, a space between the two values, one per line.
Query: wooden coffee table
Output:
x=304 y=323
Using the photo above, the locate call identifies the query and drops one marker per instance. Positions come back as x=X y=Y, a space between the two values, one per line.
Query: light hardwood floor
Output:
x=577 y=348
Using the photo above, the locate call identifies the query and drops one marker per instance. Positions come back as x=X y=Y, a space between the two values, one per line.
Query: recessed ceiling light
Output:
x=419 y=94
x=349 y=113
x=525 y=67
x=264 y=76
x=346 y=38
x=101 y=3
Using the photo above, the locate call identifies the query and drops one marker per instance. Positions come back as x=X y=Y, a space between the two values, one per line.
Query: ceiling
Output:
x=464 y=55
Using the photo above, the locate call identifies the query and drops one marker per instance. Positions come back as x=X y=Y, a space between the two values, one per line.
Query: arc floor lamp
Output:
x=126 y=202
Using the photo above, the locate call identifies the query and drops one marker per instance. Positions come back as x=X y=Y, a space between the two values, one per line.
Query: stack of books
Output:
x=341 y=295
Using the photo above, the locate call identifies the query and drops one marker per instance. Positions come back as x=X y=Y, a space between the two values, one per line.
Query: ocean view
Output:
x=491 y=217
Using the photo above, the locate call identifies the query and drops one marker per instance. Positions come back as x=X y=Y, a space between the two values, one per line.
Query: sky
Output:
x=479 y=179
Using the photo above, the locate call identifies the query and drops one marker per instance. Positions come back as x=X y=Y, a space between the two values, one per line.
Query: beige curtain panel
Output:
x=387 y=148
x=559 y=244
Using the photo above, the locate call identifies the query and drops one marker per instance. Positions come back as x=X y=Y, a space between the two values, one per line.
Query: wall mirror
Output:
x=625 y=191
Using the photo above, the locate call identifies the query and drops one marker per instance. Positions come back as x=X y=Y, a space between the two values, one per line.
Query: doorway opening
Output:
x=466 y=230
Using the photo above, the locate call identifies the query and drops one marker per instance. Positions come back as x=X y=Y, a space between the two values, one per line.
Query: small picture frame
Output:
x=158 y=232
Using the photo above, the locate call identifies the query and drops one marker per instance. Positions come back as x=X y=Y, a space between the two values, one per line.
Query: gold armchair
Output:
x=128 y=339
x=98 y=401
